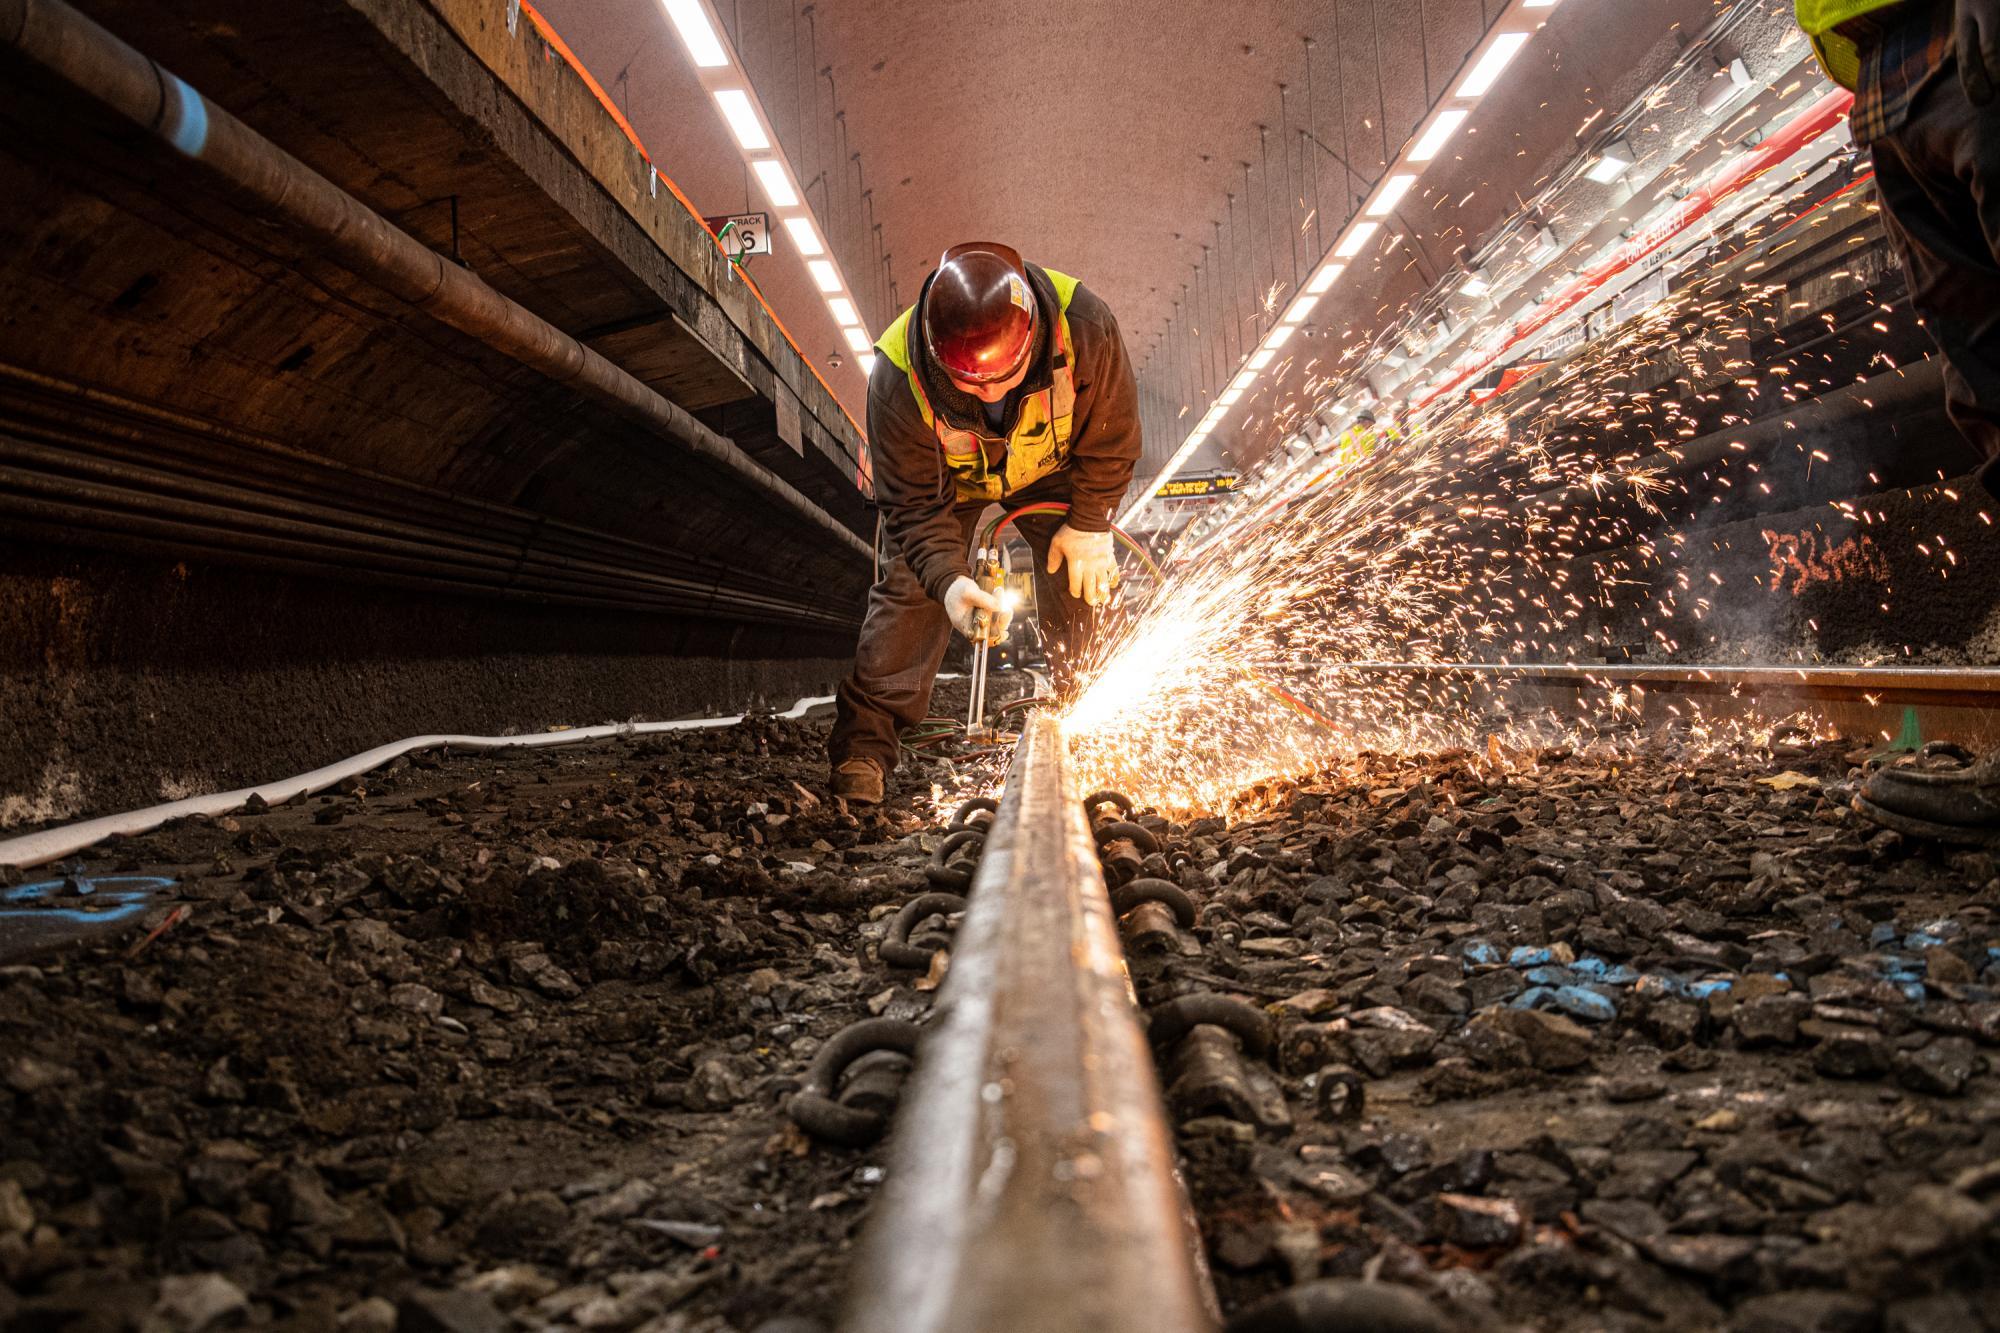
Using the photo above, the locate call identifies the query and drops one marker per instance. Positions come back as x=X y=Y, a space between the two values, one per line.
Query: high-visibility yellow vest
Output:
x=1039 y=444
x=1838 y=54
x=1358 y=443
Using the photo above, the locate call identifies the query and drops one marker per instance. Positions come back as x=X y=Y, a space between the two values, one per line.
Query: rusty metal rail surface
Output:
x=1032 y=1182
x=1906 y=705
x=1961 y=686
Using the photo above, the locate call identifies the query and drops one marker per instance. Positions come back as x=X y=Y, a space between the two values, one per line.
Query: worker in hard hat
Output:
x=1926 y=81
x=1359 y=442
x=1005 y=383
x=1925 y=74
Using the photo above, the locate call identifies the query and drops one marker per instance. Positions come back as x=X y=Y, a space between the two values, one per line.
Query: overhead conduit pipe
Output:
x=98 y=65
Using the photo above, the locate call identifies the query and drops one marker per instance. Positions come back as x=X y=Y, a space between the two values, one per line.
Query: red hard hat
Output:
x=979 y=313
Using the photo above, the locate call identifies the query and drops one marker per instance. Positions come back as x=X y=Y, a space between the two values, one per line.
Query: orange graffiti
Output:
x=1801 y=559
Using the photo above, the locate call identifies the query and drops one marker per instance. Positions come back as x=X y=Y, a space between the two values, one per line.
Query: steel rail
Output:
x=1901 y=706
x=1974 y=687
x=1031 y=1179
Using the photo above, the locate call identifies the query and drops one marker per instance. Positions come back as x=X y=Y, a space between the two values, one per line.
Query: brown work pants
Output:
x=905 y=635
x=1939 y=176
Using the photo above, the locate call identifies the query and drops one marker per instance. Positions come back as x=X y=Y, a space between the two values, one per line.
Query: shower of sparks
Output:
x=1328 y=622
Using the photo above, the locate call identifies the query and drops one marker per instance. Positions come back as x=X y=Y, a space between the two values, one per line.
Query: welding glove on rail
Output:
x=1092 y=568
x=964 y=600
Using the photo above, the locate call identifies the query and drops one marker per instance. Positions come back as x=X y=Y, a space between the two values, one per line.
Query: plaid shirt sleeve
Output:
x=1900 y=55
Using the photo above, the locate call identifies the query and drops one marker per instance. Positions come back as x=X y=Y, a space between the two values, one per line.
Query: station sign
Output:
x=742 y=234
x=1199 y=488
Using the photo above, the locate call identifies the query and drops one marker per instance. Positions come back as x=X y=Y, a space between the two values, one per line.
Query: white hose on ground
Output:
x=35 y=849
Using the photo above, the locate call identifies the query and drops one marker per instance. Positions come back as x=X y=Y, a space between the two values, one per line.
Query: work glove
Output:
x=1092 y=570
x=1979 y=49
x=964 y=600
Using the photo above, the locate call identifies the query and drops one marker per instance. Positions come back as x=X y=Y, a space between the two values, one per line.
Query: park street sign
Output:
x=1204 y=486
x=742 y=234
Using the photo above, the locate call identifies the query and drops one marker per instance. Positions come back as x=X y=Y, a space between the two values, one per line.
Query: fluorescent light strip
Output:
x=857 y=339
x=1280 y=335
x=697 y=34
x=742 y=118
x=868 y=360
x=1390 y=195
x=1439 y=134
x=1325 y=278
x=777 y=183
x=805 y=236
x=825 y=274
x=1501 y=49
x=1491 y=65
x=843 y=311
x=1359 y=236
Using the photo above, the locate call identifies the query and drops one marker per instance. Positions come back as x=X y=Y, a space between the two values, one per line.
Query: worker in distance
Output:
x=1005 y=383
x=1925 y=75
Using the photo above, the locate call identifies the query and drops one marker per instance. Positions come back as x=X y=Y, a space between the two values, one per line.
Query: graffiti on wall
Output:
x=1802 y=560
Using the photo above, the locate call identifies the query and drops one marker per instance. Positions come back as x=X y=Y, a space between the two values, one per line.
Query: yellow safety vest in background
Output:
x=1838 y=54
x=1039 y=444
x=1357 y=444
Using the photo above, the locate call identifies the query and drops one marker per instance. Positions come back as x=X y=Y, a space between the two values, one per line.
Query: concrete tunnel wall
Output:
x=257 y=514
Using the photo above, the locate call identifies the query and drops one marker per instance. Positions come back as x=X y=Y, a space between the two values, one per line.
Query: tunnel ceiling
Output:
x=1095 y=136
x=1105 y=138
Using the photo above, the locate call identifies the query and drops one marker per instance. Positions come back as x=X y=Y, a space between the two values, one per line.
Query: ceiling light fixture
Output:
x=697 y=34
x=719 y=68
x=1390 y=195
x=1612 y=163
x=742 y=118
x=1507 y=35
x=777 y=183
x=805 y=236
x=1730 y=82
x=1325 y=278
x=1493 y=64
x=1356 y=238
x=1439 y=134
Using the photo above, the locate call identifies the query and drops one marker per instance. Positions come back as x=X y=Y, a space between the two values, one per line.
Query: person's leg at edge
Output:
x=1939 y=177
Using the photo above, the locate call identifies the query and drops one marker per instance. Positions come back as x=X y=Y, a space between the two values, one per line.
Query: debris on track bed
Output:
x=478 y=1042
x=504 y=1041
x=1655 y=1043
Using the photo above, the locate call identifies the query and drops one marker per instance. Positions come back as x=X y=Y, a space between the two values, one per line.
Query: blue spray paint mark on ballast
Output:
x=121 y=896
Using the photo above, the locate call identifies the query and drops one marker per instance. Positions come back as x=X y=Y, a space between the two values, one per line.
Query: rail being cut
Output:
x=1032 y=1182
